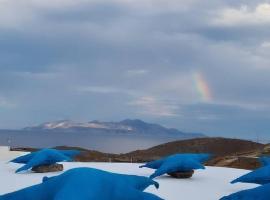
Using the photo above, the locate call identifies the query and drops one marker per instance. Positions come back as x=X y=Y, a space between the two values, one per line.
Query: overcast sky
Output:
x=195 y=65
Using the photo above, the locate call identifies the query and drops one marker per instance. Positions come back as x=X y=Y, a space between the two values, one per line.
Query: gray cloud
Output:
x=116 y=59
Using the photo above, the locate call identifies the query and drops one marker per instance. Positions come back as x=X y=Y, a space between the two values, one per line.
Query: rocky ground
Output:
x=226 y=152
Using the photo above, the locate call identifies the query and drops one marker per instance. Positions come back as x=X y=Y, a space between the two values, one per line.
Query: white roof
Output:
x=209 y=184
x=6 y=155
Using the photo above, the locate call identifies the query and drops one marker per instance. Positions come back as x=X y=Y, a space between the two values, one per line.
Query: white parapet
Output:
x=6 y=154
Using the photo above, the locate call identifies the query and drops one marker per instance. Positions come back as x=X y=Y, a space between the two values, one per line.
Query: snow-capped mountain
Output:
x=114 y=137
x=67 y=124
x=131 y=126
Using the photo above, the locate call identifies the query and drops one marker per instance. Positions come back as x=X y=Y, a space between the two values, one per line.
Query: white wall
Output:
x=7 y=155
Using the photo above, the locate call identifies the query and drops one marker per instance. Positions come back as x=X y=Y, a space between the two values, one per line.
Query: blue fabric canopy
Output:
x=259 y=176
x=202 y=157
x=176 y=163
x=154 y=164
x=23 y=159
x=26 y=158
x=87 y=184
x=173 y=165
x=138 y=182
x=265 y=160
x=42 y=157
x=259 y=193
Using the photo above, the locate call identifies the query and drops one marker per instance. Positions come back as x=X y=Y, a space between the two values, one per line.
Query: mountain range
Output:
x=114 y=137
x=135 y=126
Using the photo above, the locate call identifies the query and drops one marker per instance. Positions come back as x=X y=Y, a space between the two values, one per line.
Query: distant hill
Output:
x=215 y=146
x=113 y=137
x=225 y=152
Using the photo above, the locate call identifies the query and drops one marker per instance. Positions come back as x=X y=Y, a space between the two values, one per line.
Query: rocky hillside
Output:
x=215 y=146
x=226 y=152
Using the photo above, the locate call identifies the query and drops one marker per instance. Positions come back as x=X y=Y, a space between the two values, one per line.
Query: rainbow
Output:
x=202 y=88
